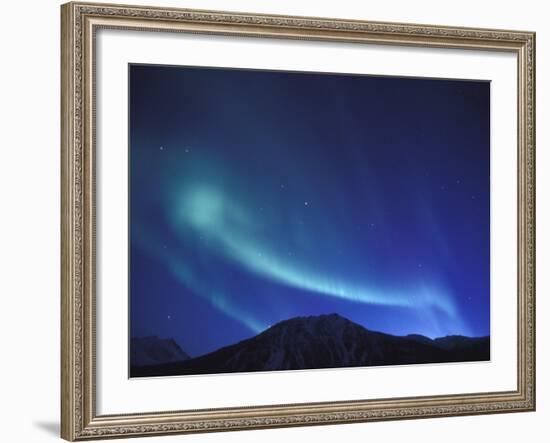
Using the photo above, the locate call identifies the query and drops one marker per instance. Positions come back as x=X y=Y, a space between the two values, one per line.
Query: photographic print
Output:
x=318 y=203
x=297 y=220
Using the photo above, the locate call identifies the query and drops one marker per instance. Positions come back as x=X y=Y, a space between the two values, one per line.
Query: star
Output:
x=162 y=148
x=169 y=316
x=419 y=265
x=186 y=149
x=306 y=203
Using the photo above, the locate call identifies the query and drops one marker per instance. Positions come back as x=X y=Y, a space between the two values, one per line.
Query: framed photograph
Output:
x=282 y=221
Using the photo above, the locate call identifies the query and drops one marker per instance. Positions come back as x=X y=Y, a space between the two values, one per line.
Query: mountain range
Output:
x=325 y=341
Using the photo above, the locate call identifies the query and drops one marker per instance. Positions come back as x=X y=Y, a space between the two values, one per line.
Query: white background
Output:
x=29 y=238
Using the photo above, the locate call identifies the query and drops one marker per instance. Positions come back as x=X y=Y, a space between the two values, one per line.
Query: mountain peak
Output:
x=332 y=318
x=153 y=350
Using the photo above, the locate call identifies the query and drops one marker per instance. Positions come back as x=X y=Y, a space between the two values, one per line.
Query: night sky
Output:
x=257 y=196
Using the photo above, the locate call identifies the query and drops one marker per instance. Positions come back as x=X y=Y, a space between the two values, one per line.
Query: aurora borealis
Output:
x=257 y=196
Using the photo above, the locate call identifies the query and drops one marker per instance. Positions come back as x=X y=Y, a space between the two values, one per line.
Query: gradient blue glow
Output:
x=260 y=196
x=231 y=229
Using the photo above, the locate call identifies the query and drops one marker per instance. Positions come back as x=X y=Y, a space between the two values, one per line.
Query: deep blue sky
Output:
x=257 y=196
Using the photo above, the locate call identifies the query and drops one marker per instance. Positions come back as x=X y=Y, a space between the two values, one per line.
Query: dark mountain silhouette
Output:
x=150 y=351
x=325 y=341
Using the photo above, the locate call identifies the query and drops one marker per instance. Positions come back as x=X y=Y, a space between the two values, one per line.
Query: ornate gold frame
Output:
x=79 y=21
